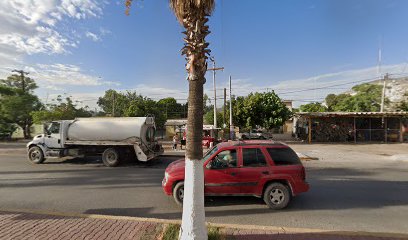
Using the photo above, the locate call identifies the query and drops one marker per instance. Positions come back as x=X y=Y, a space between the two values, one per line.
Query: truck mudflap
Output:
x=141 y=156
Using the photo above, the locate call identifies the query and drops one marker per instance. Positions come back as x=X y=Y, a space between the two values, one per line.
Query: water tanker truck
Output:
x=114 y=138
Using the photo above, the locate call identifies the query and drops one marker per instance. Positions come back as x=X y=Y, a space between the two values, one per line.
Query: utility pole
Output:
x=225 y=106
x=23 y=86
x=383 y=92
x=232 y=135
x=214 y=69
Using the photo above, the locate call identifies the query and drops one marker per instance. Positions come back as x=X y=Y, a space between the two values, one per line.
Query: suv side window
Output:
x=284 y=156
x=225 y=159
x=253 y=157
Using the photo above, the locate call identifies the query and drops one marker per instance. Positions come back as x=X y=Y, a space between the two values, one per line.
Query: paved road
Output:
x=345 y=195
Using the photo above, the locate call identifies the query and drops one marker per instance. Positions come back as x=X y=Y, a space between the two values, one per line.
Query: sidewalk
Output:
x=41 y=226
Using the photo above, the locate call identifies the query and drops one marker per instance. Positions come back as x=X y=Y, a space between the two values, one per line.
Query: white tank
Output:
x=109 y=129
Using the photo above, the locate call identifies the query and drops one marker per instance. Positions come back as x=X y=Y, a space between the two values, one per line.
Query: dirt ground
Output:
x=353 y=152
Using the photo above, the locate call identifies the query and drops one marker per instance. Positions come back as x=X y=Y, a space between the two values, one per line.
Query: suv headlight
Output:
x=166 y=177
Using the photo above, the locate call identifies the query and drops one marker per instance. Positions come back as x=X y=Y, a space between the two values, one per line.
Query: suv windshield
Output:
x=210 y=152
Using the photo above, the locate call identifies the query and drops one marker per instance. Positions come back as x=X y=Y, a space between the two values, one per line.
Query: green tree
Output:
x=366 y=98
x=171 y=108
x=25 y=84
x=313 y=107
x=130 y=104
x=17 y=108
x=239 y=113
x=113 y=103
x=260 y=110
x=6 y=127
x=17 y=102
x=64 y=110
x=209 y=118
x=403 y=106
x=5 y=90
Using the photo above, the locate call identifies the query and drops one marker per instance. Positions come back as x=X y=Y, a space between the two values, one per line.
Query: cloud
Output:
x=157 y=93
x=317 y=87
x=29 y=27
x=80 y=99
x=92 y=36
x=57 y=76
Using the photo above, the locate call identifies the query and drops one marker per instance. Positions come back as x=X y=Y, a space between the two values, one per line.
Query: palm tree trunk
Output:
x=193 y=222
x=193 y=15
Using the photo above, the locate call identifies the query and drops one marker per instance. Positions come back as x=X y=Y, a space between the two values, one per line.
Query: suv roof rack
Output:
x=257 y=142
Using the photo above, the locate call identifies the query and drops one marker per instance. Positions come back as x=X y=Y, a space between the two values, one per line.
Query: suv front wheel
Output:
x=178 y=193
x=276 y=196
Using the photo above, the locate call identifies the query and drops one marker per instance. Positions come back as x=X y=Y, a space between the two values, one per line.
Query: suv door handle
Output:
x=233 y=174
x=265 y=172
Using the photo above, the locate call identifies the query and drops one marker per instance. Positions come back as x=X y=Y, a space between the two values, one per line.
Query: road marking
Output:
x=221 y=225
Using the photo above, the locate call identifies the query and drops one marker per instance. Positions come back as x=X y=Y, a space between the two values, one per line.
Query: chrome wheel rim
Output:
x=277 y=196
x=111 y=157
x=35 y=155
x=181 y=193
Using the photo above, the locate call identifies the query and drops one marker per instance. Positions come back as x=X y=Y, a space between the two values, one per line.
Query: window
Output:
x=54 y=128
x=253 y=157
x=283 y=156
x=225 y=159
x=210 y=152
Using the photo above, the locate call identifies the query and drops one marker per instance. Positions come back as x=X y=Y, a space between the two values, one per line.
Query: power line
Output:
x=335 y=85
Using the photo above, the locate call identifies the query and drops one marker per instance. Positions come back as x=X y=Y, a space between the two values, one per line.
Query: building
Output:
x=357 y=127
x=174 y=126
x=287 y=127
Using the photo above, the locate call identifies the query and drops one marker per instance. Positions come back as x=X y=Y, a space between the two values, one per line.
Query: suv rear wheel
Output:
x=276 y=196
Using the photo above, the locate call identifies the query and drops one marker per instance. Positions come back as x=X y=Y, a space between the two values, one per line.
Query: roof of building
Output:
x=352 y=114
x=176 y=122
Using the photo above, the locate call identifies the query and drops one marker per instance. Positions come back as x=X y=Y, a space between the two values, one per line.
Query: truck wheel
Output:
x=110 y=157
x=178 y=193
x=36 y=155
x=276 y=196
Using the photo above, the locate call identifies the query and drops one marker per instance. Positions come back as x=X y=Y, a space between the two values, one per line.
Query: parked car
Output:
x=206 y=142
x=254 y=134
x=265 y=169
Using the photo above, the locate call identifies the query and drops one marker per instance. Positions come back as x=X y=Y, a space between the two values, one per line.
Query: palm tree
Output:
x=193 y=15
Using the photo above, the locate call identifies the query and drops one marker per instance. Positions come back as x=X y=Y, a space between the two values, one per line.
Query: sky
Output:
x=301 y=49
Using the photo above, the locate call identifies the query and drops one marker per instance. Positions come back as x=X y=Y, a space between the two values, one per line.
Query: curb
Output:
x=280 y=230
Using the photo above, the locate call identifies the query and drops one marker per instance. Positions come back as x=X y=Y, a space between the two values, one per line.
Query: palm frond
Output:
x=181 y=7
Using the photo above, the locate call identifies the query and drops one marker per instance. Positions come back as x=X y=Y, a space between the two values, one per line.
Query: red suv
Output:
x=266 y=169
